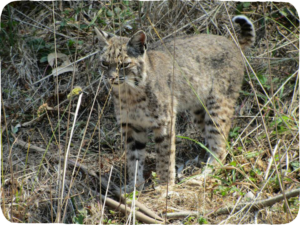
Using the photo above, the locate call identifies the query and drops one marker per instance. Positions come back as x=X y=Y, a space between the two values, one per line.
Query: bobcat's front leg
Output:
x=164 y=138
x=135 y=139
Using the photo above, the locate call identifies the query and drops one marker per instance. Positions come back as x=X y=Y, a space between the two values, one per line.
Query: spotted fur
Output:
x=201 y=73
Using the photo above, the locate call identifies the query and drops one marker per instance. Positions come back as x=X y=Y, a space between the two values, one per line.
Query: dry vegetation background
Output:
x=38 y=113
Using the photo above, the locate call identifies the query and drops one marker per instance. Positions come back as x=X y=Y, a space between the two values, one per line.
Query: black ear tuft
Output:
x=137 y=45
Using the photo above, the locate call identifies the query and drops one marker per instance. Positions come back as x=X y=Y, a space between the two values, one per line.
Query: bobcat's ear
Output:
x=103 y=37
x=137 y=45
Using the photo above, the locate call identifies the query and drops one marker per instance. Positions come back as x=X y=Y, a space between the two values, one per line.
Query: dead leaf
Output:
x=64 y=67
x=51 y=58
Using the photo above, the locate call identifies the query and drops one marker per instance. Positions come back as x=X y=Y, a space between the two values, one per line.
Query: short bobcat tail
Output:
x=247 y=35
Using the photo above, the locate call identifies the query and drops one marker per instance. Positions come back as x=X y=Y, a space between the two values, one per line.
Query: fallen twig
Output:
x=121 y=207
x=26 y=145
x=249 y=205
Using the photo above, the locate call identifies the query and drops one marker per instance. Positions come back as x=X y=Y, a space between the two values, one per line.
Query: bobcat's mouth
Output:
x=116 y=81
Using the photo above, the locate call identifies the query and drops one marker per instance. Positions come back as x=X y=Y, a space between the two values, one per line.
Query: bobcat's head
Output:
x=122 y=59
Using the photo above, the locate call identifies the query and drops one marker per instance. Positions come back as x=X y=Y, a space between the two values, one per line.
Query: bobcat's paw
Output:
x=130 y=187
x=200 y=179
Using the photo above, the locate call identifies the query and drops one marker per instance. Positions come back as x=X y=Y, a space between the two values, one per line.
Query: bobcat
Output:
x=201 y=73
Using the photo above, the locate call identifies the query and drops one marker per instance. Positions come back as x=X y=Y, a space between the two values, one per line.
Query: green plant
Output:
x=225 y=190
x=8 y=34
x=129 y=196
x=202 y=220
x=193 y=220
x=80 y=216
x=242 y=6
x=190 y=220
x=154 y=177
x=40 y=47
x=234 y=133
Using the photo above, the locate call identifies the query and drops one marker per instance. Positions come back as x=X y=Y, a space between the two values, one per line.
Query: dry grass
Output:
x=263 y=144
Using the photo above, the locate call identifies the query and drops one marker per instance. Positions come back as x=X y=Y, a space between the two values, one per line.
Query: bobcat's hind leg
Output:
x=199 y=116
x=217 y=125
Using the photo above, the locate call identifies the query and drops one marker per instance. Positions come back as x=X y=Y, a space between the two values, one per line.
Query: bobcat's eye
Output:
x=105 y=64
x=125 y=65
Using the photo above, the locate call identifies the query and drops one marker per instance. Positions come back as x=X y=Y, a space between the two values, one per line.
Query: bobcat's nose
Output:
x=112 y=76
